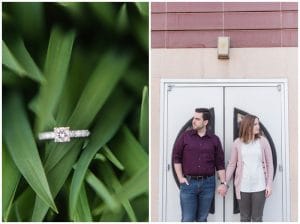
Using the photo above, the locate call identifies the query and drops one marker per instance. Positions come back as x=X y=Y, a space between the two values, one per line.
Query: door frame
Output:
x=167 y=85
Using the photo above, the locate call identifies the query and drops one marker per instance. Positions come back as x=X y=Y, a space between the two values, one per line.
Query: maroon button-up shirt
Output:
x=198 y=155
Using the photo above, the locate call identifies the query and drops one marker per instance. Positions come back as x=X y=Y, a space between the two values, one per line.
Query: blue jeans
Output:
x=196 y=198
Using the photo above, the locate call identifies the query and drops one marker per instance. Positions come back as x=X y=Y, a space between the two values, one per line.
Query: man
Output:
x=197 y=154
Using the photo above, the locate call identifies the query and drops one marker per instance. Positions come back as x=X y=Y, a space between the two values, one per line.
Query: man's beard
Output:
x=199 y=128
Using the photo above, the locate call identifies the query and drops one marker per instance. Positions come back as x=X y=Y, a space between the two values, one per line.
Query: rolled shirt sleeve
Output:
x=219 y=155
x=178 y=149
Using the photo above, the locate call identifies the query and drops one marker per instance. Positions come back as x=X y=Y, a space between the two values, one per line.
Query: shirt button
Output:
x=199 y=166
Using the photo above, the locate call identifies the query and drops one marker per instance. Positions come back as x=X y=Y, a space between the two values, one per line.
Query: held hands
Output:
x=222 y=190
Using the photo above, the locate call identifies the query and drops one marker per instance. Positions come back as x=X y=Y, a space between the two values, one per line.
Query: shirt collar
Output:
x=208 y=133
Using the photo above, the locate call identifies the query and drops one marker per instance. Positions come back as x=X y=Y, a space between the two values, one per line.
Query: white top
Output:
x=253 y=178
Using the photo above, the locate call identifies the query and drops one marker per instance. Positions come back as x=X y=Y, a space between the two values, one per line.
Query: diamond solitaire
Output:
x=63 y=134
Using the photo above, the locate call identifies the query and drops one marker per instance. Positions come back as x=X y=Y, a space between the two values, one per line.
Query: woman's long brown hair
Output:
x=246 y=128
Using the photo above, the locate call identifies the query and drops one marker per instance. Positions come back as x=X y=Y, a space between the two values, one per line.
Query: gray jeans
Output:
x=252 y=206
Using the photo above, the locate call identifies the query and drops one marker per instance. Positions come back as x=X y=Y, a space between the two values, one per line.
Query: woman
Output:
x=251 y=158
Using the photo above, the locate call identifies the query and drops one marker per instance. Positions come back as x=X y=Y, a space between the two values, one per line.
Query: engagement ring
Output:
x=63 y=134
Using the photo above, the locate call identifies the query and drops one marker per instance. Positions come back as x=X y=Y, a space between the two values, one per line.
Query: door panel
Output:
x=181 y=101
x=264 y=102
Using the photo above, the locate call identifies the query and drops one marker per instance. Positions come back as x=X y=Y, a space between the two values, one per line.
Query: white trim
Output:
x=162 y=156
x=165 y=83
x=286 y=157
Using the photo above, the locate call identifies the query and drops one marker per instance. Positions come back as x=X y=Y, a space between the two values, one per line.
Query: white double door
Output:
x=179 y=102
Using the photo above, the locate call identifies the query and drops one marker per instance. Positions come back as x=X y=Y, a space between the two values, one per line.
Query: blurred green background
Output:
x=85 y=66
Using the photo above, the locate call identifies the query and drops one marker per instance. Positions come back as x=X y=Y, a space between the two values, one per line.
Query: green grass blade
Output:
x=100 y=85
x=106 y=126
x=135 y=186
x=142 y=7
x=10 y=61
x=29 y=18
x=10 y=180
x=22 y=148
x=102 y=191
x=109 y=177
x=122 y=19
x=100 y=157
x=76 y=9
x=22 y=206
x=57 y=178
x=56 y=67
x=20 y=52
x=144 y=120
x=81 y=67
x=135 y=80
x=129 y=210
x=141 y=207
x=109 y=155
x=9 y=78
x=105 y=12
x=128 y=151
x=140 y=26
x=112 y=216
x=83 y=209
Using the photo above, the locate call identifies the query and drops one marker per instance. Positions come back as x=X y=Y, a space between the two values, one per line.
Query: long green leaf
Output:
x=140 y=27
x=10 y=180
x=128 y=151
x=143 y=8
x=113 y=115
x=83 y=209
x=122 y=19
x=81 y=67
x=111 y=179
x=136 y=79
x=144 y=120
x=111 y=216
x=100 y=157
x=135 y=186
x=21 y=145
x=29 y=19
x=20 y=52
x=102 y=191
x=10 y=61
x=112 y=158
x=105 y=12
x=9 y=78
x=140 y=205
x=56 y=67
x=99 y=87
x=22 y=206
x=57 y=177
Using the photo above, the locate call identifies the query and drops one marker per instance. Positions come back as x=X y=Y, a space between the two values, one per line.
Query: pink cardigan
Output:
x=236 y=163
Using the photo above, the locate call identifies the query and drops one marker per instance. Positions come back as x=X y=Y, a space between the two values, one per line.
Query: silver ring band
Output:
x=63 y=134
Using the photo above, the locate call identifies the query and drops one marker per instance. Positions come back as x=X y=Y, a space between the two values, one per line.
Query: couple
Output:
x=198 y=153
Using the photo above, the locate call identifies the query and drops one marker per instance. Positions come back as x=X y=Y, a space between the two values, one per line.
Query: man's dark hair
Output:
x=205 y=113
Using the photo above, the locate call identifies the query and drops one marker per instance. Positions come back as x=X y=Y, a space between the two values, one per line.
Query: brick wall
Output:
x=198 y=24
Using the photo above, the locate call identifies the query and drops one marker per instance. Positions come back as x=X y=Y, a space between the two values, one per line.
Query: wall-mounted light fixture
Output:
x=223 y=47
